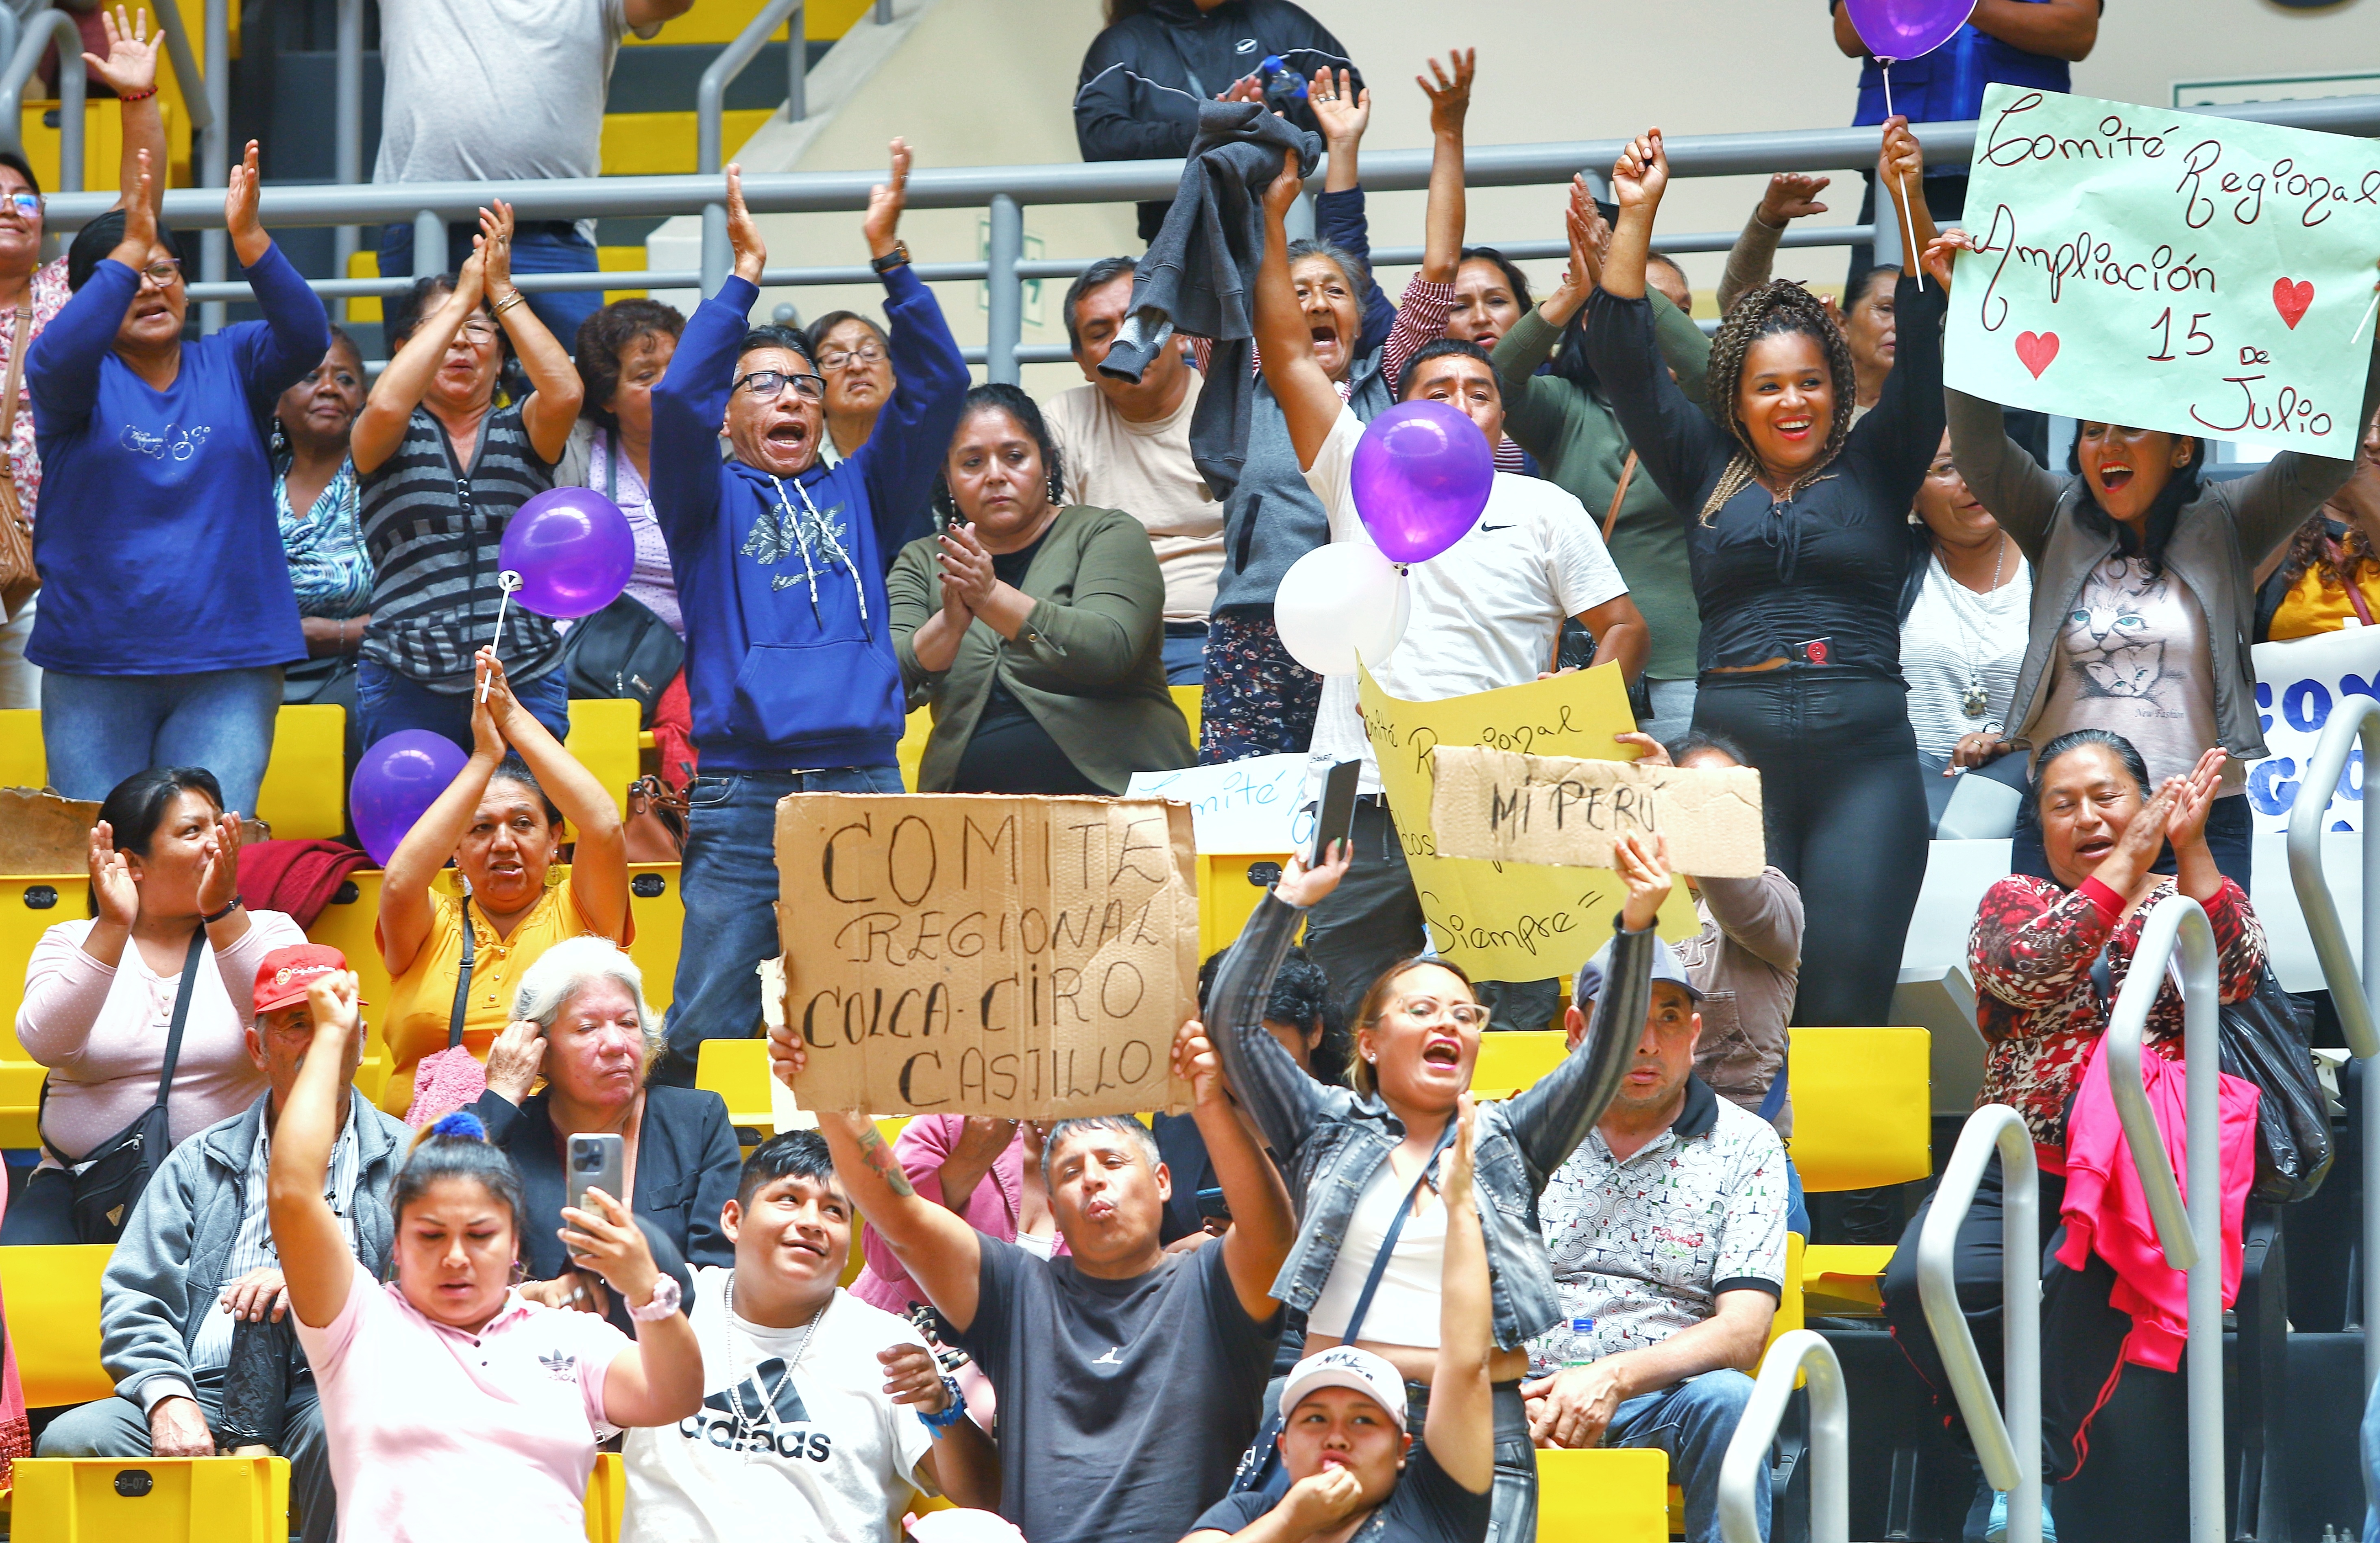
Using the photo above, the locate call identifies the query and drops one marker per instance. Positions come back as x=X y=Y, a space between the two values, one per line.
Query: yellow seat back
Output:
x=1228 y=896
x=154 y=1499
x=607 y=1497
x=1604 y=1494
x=52 y=1296
x=1188 y=698
x=304 y=794
x=737 y=1070
x=30 y=906
x=603 y=739
x=1862 y=1108
x=23 y=762
x=657 y=908
x=1508 y=1063
x=911 y=751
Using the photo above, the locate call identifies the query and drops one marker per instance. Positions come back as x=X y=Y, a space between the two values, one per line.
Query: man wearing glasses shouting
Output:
x=781 y=562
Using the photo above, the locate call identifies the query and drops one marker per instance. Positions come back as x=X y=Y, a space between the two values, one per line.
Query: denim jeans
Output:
x=20 y=683
x=729 y=885
x=99 y=730
x=386 y=702
x=539 y=247
x=1692 y=1421
x=1186 y=653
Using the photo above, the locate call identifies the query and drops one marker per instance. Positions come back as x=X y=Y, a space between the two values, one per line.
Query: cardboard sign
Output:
x=1506 y=920
x=953 y=954
x=2166 y=270
x=1258 y=805
x=1557 y=810
x=2299 y=684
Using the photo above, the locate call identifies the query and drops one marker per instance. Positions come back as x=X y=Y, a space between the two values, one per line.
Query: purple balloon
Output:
x=398 y=779
x=573 y=550
x=1898 y=30
x=1422 y=475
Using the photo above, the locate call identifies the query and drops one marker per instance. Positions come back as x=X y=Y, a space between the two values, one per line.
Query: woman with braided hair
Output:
x=1796 y=534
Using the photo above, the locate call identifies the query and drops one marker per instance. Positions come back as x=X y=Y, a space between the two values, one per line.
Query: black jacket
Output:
x=687 y=1164
x=1123 y=110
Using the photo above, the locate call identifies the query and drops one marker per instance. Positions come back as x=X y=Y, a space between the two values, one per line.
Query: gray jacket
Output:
x=2221 y=536
x=168 y=1270
x=1330 y=1141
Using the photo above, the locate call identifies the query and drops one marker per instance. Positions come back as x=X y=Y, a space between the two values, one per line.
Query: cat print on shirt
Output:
x=2123 y=627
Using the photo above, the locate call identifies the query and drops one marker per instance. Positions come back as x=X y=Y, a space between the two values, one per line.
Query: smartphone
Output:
x=597 y=1162
x=1335 y=821
x=1212 y=1205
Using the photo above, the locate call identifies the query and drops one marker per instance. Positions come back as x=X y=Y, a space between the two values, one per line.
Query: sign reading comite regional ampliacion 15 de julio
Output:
x=953 y=953
x=2168 y=270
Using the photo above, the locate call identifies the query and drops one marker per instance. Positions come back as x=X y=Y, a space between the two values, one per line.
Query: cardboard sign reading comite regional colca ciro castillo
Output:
x=961 y=954
x=1566 y=813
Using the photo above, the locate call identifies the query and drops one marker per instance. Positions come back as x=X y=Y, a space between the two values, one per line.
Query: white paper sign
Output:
x=1258 y=805
x=2298 y=684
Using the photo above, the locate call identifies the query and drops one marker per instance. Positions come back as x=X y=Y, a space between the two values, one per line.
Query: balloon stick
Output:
x=2374 y=306
x=506 y=581
x=1909 y=230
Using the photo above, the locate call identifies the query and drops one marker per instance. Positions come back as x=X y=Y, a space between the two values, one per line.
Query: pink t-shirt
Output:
x=434 y=1431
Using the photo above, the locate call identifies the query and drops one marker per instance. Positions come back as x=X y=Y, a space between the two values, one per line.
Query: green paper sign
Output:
x=2168 y=270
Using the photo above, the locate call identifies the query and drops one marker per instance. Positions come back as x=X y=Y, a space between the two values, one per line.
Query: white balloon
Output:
x=1338 y=601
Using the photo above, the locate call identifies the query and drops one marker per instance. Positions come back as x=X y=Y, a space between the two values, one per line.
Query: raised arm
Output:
x=599 y=862
x=1790 y=196
x=405 y=905
x=380 y=427
x=1449 y=101
x=690 y=401
x=555 y=389
x=941 y=1252
x=317 y=1267
x=913 y=432
x=1343 y=110
x=657 y=1381
x=1461 y=1428
x=1284 y=1102
x=130 y=71
x=1308 y=401
x=1638 y=179
x=1263 y=1224
x=1901 y=167
x=1762 y=913
x=1554 y=1114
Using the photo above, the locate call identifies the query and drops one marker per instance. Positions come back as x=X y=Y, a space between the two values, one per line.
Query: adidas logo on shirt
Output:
x=738 y=1418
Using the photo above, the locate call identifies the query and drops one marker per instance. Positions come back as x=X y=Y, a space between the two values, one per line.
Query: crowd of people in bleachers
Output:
x=1337 y=1295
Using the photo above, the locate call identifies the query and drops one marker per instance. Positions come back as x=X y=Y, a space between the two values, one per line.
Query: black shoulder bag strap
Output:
x=173 y=1043
x=462 y=980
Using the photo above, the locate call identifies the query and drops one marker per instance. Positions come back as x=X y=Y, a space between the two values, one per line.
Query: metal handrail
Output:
x=2192 y=1236
x=2351 y=993
x=2012 y=1462
x=44 y=28
x=710 y=107
x=347 y=150
x=1743 y=1472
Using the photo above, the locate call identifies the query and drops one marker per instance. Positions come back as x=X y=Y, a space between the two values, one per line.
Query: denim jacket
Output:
x=1331 y=1141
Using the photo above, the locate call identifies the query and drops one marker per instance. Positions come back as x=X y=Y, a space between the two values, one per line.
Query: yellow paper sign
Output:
x=1507 y=921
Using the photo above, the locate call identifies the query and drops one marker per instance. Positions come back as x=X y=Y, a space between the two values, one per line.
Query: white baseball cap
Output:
x=1344 y=1366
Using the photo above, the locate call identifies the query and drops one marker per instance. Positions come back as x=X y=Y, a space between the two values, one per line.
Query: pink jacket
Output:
x=922 y=1145
x=2107 y=1211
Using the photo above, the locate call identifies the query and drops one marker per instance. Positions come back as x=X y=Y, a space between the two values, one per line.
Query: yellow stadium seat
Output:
x=349 y=927
x=30 y=905
x=1844 y=1280
x=603 y=739
x=23 y=762
x=52 y=1296
x=154 y=1499
x=607 y=1497
x=1608 y=1495
x=911 y=751
x=1510 y=1062
x=1228 y=893
x=20 y=1103
x=303 y=797
x=659 y=917
x=737 y=1070
x=1187 y=698
x=1862 y=1108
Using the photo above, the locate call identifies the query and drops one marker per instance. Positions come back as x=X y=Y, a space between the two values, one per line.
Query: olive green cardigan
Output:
x=1087 y=663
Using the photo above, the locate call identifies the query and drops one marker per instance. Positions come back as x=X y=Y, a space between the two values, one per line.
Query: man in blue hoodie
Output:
x=780 y=566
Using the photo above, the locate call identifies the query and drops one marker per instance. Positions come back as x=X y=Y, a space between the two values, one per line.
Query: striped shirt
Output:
x=434 y=533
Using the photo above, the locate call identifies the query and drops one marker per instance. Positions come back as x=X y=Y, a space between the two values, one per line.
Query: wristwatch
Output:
x=891 y=260
x=210 y=921
x=663 y=1302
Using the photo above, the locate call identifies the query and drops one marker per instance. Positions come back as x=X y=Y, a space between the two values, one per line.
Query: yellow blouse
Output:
x=2315 y=605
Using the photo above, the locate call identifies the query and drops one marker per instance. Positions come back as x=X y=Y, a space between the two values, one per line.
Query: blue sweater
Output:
x=788 y=652
x=158 y=543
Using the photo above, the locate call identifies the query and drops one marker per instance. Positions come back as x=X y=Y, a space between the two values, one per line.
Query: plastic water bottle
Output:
x=1578 y=1349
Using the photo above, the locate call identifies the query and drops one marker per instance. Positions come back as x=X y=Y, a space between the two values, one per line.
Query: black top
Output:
x=1010 y=752
x=687 y=1164
x=1124 y=1404
x=1426 y=1506
x=1829 y=563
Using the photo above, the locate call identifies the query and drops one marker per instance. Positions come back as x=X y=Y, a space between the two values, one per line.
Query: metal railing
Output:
x=2351 y=993
x=1743 y=1472
x=2192 y=1234
x=30 y=44
x=710 y=109
x=2008 y=1448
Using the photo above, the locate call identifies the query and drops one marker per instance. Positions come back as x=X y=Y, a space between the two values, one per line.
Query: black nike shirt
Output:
x=1124 y=1404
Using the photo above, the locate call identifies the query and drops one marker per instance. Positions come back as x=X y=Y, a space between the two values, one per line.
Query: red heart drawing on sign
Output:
x=2036 y=350
x=2292 y=300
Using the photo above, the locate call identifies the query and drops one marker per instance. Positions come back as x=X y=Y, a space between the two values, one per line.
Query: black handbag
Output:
x=113 y=1174
x=2266 y=1039
x=623 y=650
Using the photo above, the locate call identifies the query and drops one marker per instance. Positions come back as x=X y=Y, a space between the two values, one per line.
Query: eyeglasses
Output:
x=476 y=332
x=767 y=385
x=865 y=354
x=165 y=272
x=27 y=204
x=1422 y=1010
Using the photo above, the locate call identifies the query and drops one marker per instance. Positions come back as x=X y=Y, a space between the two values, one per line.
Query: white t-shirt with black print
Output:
x=822 y=1453
x=2134 y=657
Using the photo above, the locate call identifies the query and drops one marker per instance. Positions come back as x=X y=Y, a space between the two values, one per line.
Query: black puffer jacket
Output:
x=1119 y=115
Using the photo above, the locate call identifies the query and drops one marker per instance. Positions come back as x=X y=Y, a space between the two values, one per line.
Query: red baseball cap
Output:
x=286 y=973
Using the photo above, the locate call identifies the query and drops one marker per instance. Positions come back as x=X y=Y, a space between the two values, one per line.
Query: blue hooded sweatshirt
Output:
x=789 y=655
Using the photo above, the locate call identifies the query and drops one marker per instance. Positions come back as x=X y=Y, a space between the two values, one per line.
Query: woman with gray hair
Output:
x=580 y=1023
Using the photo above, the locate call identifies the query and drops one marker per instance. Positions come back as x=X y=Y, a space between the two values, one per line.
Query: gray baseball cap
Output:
x=1666 y=966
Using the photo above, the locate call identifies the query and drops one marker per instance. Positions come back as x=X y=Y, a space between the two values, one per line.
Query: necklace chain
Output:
x=1976 y=699
x=735 y=1361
